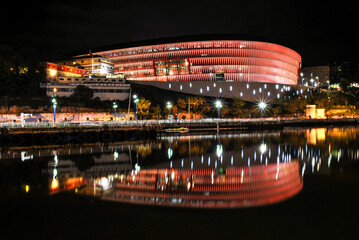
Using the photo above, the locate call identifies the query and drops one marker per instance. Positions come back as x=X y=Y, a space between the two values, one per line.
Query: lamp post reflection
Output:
x=55 y=182
x=219 y=152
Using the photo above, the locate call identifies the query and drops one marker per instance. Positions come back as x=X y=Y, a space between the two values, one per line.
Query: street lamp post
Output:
x=136 y=100
x=114 y=105
x=169 y=105
x=218 y=106
x=54 y=104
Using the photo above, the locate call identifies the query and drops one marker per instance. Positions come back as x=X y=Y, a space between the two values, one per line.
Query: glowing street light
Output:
x=114 y=105
x=262 y=106
x=136 y=100
x=218 y=106
x=54 y=104
x=169 y=106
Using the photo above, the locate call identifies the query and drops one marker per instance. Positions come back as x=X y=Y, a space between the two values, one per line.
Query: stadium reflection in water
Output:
x=210 y=188
x=205 y=171
x=209 y=171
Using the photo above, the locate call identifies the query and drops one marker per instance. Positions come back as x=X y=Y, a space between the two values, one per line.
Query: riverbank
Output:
x=257 y=124
x=111 y=131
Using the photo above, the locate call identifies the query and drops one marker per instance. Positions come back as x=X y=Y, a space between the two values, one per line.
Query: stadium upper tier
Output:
x=215 y=60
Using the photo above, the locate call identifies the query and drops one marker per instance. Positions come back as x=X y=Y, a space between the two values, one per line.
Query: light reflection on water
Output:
x=219 y=162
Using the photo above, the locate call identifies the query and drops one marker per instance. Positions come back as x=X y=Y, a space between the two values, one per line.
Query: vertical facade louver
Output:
x=228 y=60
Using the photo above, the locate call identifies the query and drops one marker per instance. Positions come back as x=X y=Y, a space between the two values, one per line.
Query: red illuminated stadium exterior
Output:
x=242 y=61
x=220 y=66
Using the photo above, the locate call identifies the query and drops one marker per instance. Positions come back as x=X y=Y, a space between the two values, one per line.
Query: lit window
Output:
x=268 y=93
x=247 y=86
x=214 y=85
x=276 y=86
x=200 y=90
x=169 y=85
x=207 y=88
x=278 y=96
x=230 y=88
x=254 y=92
x=260 y=90
x=241 y=94
x=265 y=86
x=181 y=87
x=190 y=85
x=220 y=90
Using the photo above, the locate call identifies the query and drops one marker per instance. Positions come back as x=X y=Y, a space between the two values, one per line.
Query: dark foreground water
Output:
x=56 y=192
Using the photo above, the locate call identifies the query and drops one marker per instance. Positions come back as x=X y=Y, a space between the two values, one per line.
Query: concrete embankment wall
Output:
x=21 y=137
x=260 y=125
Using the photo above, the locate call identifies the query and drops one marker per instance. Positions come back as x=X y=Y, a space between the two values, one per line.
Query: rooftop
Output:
x=187 y=38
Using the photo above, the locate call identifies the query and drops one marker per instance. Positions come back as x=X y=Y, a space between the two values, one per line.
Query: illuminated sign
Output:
x=220 y=76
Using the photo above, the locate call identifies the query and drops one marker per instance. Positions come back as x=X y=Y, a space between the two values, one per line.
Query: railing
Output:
x=168 y=123
x=132 y=123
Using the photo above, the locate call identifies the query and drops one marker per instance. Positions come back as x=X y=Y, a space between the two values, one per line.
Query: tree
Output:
x=156 y=112
x=344 y=84
x=277 y=111
x=237 y=106
x=291 y=106
x=82 y=95
x=182 y=105
x=19 y=74
x=198 y=105
x=143 y=107
x=224 y=111
x=83 y=92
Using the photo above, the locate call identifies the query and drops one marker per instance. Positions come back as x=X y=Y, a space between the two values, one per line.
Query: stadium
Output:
x=218 y=66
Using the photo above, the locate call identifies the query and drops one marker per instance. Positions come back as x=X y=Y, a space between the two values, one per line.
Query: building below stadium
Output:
x=63 y=79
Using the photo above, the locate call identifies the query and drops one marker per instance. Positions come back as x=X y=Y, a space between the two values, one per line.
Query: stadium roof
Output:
x=187 y=38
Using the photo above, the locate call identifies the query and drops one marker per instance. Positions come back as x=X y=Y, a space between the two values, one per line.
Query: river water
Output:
x=285 y=184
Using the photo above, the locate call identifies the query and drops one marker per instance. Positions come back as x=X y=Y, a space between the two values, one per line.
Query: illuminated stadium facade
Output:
x=219 y=68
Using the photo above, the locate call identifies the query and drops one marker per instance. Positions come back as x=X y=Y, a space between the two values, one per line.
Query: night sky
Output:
x=322 y=32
